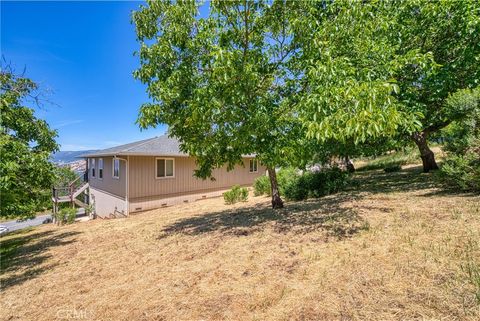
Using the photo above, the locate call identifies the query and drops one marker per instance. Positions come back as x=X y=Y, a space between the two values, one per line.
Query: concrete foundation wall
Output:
x=106 y=203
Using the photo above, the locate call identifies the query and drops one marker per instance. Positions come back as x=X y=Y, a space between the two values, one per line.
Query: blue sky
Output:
x=83 y=53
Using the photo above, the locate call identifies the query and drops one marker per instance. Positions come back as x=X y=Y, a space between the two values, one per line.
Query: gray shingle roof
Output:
x=157 y=146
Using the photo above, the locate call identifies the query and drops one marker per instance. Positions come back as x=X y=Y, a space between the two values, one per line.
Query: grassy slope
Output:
x=409 y=156
x=395 y=247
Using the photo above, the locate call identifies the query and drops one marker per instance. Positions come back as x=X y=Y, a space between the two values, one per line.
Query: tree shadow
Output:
x=405 y=180
x=410 y=179
x=327 y=214
x=331 y=214
x=26 y=253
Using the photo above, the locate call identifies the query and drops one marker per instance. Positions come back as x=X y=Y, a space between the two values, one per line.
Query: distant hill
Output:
x=65 y=157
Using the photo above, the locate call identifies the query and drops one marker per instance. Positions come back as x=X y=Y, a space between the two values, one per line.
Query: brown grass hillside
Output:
x=395 y=247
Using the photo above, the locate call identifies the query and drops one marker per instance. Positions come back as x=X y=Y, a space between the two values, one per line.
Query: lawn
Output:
x=395 y=246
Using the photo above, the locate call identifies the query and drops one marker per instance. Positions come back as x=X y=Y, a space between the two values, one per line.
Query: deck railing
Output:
x=68 y=191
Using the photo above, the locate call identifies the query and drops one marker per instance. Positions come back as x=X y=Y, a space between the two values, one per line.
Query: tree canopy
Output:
x=245 y=80
x=26 y=143
x=448 y=31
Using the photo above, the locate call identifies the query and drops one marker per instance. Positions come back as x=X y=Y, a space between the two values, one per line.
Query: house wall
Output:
x=106 y=203
x=148 y=192
x=115 y=186
x=147 y=203
x=144 y=184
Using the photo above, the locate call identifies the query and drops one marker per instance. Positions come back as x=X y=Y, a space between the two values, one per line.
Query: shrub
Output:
x=462 y=171
x=236 y=194
x=261 y=186
x=243 y=197
x=66 y=215
x=316 y=184
x=462 y=165
x=286 y=175
x=296 y=189
x=299 y=187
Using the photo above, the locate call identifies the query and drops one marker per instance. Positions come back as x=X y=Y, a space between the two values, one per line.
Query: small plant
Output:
x=392 y=168
x=70 y=215
x=243 y=195
x=236 y=194
x=90 y=210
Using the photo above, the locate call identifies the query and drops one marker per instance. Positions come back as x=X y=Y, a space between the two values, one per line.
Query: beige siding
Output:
x=106 y=203
x=108 y=183
x=146 y=203
x=143 y=183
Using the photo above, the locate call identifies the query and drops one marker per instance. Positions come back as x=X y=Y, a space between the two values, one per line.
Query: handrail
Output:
x=74 y=181
x=71 y=186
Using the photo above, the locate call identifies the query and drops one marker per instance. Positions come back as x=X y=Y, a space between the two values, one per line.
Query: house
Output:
x=153 y=173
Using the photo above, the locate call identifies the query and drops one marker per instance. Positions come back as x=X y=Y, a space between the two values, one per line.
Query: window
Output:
x=164 y=167
x=100 y=168
x=116 y=168
x=253 y=166
x=92 y=165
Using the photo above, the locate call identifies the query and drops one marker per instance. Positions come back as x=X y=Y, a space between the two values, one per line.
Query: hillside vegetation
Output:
x=394 y=246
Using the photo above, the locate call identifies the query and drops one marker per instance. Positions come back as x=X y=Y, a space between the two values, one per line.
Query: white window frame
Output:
x=92 y=167
x=156 y=170
x=255 y=165
x=100 y=161
x=113 y=168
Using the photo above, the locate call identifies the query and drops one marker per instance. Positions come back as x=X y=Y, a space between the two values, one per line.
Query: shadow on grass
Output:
x=407 y=180
x=330 y=214
x=325 y=214
x=22 y=254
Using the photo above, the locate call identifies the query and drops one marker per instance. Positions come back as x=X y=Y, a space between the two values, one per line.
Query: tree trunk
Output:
x=428 y=157
x=349 y=165
x=276 y=200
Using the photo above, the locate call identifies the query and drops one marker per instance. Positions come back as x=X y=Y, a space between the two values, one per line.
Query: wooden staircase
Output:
x=70 y=194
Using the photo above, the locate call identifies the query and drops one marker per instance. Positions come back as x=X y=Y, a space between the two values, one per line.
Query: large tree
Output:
x=448 y=30
x=252 y=78
x=26 y=143
x=224 y=83
x=350 y=66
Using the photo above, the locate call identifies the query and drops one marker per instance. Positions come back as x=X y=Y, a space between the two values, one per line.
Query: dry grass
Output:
x=395 y=247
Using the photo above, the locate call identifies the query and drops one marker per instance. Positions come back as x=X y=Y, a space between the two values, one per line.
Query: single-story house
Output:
x=153 y=173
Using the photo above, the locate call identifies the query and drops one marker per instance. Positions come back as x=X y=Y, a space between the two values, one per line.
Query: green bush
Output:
x=295 y=186
x=236 y=194
x=66 y=215
x=261 y=186
x=316 y=184
x=297 y=189
x=461 y=168
x=462 y=171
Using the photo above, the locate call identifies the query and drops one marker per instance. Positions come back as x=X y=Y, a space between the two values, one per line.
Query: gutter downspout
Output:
x=126 y=182
x=127 y=187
